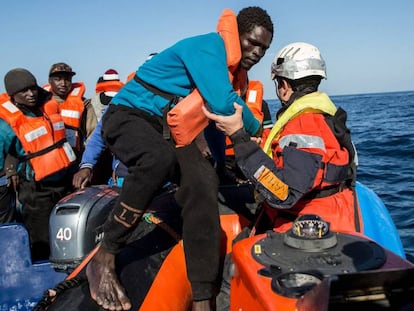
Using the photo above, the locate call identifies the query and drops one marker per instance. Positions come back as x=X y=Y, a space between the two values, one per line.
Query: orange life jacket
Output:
x=42 y=138
x=3 y=97
x=186 y=120
x=71 y=111
x=72 y=108
x=306 y=117
x=335 y=159
x=130 y=76
x=254 y=100
x=108 y=86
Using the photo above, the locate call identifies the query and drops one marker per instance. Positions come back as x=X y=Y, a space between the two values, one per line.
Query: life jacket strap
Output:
x=173 y=99
x=323 y=193
x=155 y=90
x=43 y=151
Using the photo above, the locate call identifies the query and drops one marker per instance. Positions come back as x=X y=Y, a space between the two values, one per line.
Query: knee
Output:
x=160 y=163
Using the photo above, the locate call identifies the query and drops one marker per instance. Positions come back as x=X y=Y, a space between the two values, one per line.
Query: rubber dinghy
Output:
x=270 y=271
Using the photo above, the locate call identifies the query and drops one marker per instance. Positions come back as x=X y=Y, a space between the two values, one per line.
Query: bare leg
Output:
x=104 y=285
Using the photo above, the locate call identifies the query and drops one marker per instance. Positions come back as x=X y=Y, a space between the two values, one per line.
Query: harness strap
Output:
x=43 y=151
x=323 y=193
x=155 y=90
x=173 y=99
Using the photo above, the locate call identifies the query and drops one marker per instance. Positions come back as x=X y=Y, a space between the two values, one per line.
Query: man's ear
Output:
x=285 y=90
x=283 y=87
x=286 y=84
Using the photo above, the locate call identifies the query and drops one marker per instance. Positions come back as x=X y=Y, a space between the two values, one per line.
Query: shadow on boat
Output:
x=270 y=274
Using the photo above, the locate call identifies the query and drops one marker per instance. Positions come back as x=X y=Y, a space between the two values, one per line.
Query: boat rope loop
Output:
x=50 y=294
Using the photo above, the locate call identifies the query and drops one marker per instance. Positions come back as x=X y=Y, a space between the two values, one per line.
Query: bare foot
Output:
x=104 y=285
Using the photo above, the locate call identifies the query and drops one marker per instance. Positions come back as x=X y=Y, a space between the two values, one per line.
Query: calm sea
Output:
x=382 y=128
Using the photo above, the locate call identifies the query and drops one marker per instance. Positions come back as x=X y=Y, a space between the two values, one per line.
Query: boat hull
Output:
x=154 y=261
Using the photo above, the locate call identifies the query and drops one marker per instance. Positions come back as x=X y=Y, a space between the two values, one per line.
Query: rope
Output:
x=50 y=294
x=151 y=218
x=74 y=280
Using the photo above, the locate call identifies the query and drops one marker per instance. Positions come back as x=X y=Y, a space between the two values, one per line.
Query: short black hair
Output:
x=253 y=16
x=307 y=84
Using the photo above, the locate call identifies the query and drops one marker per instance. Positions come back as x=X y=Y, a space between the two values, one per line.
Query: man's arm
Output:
x=94 y=149
x=280 y=187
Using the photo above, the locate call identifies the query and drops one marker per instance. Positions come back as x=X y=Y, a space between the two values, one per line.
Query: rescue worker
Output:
x=307 y=166
x=133 y=129
x=77 y=112
x=45 y=159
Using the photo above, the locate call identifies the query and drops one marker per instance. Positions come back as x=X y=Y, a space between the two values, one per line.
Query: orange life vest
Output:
x=42 y=138
x=71 y=111
x=254 y=100
x=130 y=76
x=108 y=86
x=3 y=97
x=186 y=120
x=335 y=158
x=306 y=117
x=72 y=108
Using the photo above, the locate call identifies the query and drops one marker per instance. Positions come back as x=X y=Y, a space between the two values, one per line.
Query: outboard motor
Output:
x=75 y=225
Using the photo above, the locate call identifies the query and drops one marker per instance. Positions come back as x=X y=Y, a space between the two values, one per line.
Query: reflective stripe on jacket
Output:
x=302 y=126
x=307 y=170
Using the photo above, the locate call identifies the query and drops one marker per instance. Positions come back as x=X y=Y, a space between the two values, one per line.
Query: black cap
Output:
x=61 y=68
x=17 y=80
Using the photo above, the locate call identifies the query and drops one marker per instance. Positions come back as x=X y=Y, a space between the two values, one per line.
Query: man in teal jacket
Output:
x=133 y=130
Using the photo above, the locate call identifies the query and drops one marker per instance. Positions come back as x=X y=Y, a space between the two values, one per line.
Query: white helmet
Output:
x=298 y=60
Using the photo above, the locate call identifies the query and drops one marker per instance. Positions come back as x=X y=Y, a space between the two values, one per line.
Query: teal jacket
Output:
x=195 y=62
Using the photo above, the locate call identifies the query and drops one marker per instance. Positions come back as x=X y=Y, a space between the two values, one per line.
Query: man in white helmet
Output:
x=307 y=165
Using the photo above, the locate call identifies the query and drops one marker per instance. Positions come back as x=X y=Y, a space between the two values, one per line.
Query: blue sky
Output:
x=367 y=44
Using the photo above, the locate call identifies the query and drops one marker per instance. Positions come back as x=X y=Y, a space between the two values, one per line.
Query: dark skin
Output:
x=104 y=285
x=61 y=84
x=26 y=97
x=254 y=45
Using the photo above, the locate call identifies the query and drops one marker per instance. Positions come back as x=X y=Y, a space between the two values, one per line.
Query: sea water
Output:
x=382 y=129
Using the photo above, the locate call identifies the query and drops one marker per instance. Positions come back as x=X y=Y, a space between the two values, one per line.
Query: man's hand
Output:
x=81 y=178
x=227 y=124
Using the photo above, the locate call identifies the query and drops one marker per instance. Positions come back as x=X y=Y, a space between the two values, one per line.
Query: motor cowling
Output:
x=76 y=225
